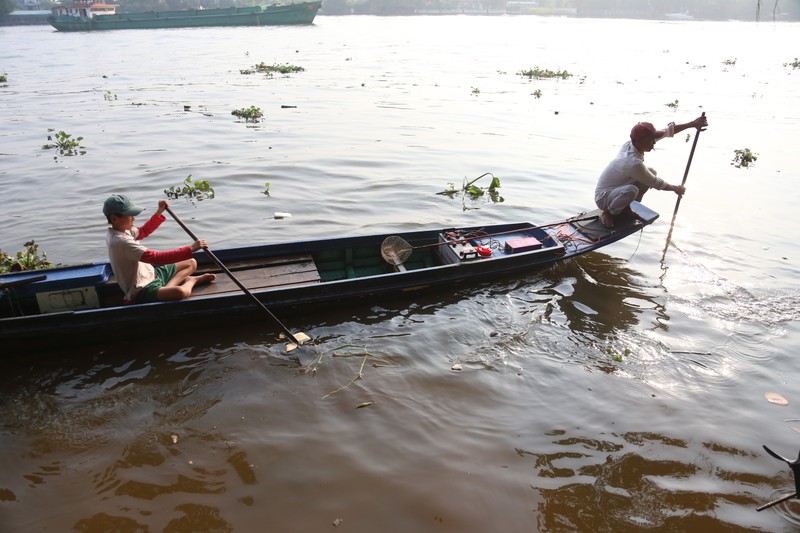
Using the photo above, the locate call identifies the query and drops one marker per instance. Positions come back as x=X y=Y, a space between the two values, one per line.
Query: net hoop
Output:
x=395 y=250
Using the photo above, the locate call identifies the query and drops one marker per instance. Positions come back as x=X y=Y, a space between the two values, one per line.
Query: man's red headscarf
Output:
x=642 y=131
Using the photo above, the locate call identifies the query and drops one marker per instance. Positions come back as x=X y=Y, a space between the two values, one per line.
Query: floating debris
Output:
x=775 y=398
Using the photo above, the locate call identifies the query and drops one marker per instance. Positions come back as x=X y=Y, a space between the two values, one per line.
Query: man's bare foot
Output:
x=628 y=212
x=607 y=219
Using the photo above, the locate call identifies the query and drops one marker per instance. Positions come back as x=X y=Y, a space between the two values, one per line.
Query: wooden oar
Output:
x=683 y=182
x=227 y=271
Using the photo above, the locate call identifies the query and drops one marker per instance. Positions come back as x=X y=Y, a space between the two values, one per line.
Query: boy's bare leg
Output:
x=182 y=283
x=183 y=270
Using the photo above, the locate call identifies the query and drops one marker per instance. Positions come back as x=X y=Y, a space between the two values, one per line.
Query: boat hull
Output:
x=288 y=278
x=277 y=15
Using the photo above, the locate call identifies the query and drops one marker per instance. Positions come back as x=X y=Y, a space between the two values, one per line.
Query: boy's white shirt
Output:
x=124 y=253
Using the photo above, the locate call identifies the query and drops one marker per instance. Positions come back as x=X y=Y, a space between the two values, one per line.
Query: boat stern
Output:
x=644 y=213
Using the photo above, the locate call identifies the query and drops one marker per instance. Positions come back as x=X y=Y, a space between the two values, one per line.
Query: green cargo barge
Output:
x=96 y=16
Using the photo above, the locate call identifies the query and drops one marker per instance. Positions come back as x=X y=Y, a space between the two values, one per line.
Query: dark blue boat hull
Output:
x=70 y=328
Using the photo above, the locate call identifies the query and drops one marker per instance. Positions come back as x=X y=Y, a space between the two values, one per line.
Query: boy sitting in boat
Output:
x=627 y=178
x=146 y=275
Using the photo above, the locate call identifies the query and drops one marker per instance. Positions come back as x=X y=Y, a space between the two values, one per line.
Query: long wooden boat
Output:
x=78 y=305
x=96 y=16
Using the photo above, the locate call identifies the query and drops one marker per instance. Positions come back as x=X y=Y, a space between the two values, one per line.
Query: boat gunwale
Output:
x=78 y=324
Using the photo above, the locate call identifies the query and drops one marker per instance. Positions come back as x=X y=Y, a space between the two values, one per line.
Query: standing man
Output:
x=626 y=178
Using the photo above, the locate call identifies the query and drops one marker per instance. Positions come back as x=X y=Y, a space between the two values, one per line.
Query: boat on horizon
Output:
x=97 y=16
x=679 y=15
x=76 y=306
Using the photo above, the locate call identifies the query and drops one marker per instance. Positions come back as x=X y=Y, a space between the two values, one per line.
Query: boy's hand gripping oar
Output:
x=298 y=339
x=683 y=182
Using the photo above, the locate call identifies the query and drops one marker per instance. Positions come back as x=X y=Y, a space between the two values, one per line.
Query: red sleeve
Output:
x=150 y=226
x=165 y=258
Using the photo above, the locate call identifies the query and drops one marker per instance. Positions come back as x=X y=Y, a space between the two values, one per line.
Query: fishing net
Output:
x=395 y=250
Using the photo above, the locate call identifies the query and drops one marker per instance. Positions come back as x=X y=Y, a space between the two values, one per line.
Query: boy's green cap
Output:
x=119 y=204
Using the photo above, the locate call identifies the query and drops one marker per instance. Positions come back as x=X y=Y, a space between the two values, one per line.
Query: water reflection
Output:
x=216 y=430
x=164 y=436
x=572 y=311
x=131 y=426
x=641 y=481
x=599 y=295
x=195 y=519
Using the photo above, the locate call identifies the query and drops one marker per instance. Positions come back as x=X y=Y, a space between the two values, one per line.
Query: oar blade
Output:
x=301 y=339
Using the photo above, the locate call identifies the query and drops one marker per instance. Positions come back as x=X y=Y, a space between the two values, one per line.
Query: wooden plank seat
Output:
x=255 y=274
x=258 y=274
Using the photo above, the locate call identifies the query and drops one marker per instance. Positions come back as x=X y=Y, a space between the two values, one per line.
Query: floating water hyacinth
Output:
x=193 y=191
x=64 y=144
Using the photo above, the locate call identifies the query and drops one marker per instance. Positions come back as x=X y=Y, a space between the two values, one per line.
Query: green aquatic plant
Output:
x=64 y=144
x=265 y=192
x=193 y=191
x=346 y=352
x=617 y=356
x=109 y=96
x=476 y=191
x=539 y=74
x=730 y=62
x=744 y=158
x=673 y=105
x=476 y=91
x=537 y=93
x=269 y=70
x=794 y=64
x=281 y=69
x=27 y=259
x=3 y=78
x=450 y=191
x=249 y=114
x=470 y=190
